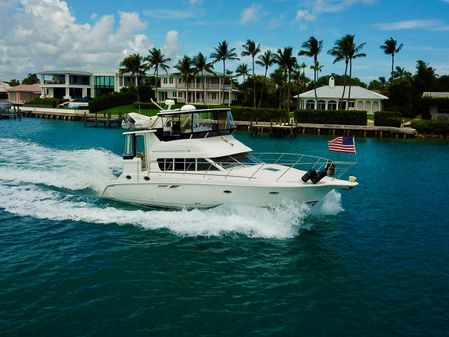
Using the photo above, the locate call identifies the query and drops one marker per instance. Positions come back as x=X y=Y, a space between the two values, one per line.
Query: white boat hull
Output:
x=172 y=193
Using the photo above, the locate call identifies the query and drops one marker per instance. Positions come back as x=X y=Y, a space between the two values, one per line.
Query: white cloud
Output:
x=304 y=15
x=171 y=46
x=250 y=14
x=312 y=9
x=39 y=35
x=169 y=14
x=434 y=25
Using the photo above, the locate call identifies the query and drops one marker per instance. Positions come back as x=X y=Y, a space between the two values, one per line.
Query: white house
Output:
x=173 y=87
x=436 y=111
x=69 y=84
x=329 y=95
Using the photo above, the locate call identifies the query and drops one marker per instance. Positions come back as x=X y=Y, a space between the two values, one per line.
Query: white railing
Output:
x=266 y=160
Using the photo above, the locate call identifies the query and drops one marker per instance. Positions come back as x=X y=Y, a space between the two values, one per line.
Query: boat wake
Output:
x=47 y=183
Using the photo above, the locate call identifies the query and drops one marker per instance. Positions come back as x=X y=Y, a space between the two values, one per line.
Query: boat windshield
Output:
x=197 y=124
x=240 y=159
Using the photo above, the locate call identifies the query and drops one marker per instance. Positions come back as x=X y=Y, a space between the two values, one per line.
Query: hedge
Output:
x=387 y=118
x=47 y=102
x=241 y=113
x=111 y=100
x=431 y=127
x=344 y=117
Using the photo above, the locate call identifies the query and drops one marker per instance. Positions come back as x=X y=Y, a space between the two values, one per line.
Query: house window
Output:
x=170 y=80
x=321 y=105
x=332 y=105
x=310 y=104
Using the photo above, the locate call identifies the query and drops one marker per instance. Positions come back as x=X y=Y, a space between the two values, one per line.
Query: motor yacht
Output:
x=189 y=158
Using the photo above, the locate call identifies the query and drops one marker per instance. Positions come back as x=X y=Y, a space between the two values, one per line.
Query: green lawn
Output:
x=123 y=109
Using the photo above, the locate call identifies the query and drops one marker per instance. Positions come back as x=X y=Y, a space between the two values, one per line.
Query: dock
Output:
x=292 y=129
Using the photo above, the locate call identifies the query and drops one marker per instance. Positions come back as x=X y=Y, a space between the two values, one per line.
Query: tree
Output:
x=400 y=72
x=242 y=70
x=265 y=60
x=424 y=78
x=390 y=47
x=31 y=79
x=157 y=60
x=341 y=51
x=278 y=78
x=354 y=52
x=312 y=47
x=251 y=49
x=133 y=64
x=201 y=65
x=287 y=62
x=184 y=66
x=223 y=53
x=14 y=83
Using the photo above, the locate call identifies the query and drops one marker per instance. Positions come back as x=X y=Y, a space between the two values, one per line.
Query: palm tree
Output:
x=400 y=73
x=390 y=47
x=251 y=49
x=133 y=64
x=278 y=78
x=341 y=51
x=312 y=47
x=184 y=66
x=287 y=62
x=157 y=60
x=201 y=65
x=223 y=53
x=354 y=52
x=242 y=70
x=265 y=60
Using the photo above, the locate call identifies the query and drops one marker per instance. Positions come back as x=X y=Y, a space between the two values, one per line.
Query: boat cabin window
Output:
x=185 y=164
x=228 y=162
x=134 y=146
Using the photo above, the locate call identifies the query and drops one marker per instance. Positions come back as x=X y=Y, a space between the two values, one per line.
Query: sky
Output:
x=95 y=35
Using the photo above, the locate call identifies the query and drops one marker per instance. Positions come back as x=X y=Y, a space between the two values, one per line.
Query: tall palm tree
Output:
x=287 y=62
x=184 y=66
x=390 y=47
x=312 y=47
x=135 y=65
x=278 y=78
x=157 y=60
x=354 y=52
x=341 y=51
x=242 y=70
x=265 y=60
x=250 y=48
x=223 y=53
x=200 y=64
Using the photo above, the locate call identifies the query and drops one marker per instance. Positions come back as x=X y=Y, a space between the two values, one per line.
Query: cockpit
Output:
x=195 y=124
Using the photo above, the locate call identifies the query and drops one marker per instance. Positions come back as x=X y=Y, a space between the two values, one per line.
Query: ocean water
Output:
x=373 y=261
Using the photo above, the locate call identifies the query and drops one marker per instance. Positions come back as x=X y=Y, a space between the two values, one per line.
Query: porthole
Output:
x=273 y=193
x=128 y=177
x=146 y=178
x=227 y=191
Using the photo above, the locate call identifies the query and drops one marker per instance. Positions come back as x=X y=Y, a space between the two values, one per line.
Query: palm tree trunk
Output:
x=288 y=91
x=392 y=64
x=224 y=70
x=261 y=88
x=350 y=77
x=157 y=81
x=344 y=86
x=314 y=88
x=254 y=87
x=187 y=89
x=204 y=80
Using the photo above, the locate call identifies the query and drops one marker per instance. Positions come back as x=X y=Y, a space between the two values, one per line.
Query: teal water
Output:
x=373 y=261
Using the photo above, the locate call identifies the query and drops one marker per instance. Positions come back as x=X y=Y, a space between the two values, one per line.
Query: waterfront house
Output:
x=174 y=87
x=438 y=103
x=23 y=93
x=329 y=95
x=70 y=84
x=4 y=89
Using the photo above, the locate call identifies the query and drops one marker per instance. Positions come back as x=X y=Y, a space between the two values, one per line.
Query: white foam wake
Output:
x=26 y=162
x=283 y=222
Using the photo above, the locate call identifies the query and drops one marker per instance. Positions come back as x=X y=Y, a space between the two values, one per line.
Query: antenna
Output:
x=156 y=104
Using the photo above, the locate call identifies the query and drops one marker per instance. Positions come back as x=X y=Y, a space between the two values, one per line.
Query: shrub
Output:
x=241 y=113
x=345 y=117
x=47 y=102
x=111 y=100
x=387 y=118
x=431 y=127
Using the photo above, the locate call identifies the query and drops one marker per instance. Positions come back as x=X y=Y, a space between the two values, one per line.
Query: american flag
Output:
x=342 y=144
